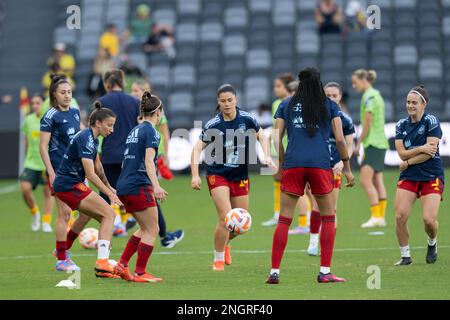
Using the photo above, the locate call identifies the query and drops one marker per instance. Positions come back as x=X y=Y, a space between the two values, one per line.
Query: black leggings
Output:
x=161 y=222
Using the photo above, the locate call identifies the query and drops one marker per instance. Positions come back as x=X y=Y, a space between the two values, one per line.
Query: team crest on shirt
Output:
x=242 y=127
x=407 y=143
x=421 y=129
x=70 y=132
x=77 y=118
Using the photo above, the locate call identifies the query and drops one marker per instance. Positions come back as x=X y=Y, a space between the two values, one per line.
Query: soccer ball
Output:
x=88 y=238
x=238 y=221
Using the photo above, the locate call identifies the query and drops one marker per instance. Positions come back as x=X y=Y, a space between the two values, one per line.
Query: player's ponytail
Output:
x=150 y=104
x=56 y=81
x=114 y=78
x=363 y=74
x=100 y=114
x=311 y=97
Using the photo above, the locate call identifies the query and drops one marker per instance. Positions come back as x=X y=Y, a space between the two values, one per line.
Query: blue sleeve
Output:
x=399 y=130
x=280 y=114
x=152 y=140
x=253 y=124
x=86 y=148
x=349 y=128
x=47 y=123
x=434 y=127
x=334 y=110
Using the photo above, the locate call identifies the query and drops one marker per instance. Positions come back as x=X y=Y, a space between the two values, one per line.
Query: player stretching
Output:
x=138 y=186
x=308 y=118
x=227 y=164
x=422 y=175
x=333 y=91
x=81 y=161
x=34 y=169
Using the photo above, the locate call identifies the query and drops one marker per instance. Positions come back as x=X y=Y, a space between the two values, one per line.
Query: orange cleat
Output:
x=146 y=277
x=227 y=255
x=219 y=266
x=123 y=272
x=103 y=269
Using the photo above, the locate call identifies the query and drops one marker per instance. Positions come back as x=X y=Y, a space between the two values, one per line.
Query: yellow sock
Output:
x=47 y=218
x=383 y=204
x=35 y=210
x=302 y=221
x=308 y=204
x=375 y=210
x=123 y=215
x=72 y=219
x=276 y=196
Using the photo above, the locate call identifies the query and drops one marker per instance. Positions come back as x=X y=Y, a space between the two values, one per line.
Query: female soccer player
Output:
x=227 y=136
x=58 y=126
x=375 y=145
x=81 y=161
x=333 y=91
x=282 y=91
x=138 y=186
x=34 y=169
x=308 y=118
x=168 y=239
x=422 y=175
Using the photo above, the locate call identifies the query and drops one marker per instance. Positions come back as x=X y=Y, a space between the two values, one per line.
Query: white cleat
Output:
x=36 y=224
x=47 y=228
x=374 y=223
x=313 y=250
x=270 y=223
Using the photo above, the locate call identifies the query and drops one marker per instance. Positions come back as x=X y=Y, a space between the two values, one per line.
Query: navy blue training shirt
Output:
x=414 y=135
x=348 y=128
x=71 y=170
x=63 y=125
x=134 y=173
x=126 y=108
x=229 y=156
x=304 y=151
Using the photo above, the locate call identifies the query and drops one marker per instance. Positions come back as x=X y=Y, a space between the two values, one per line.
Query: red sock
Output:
x=327 y=235
x=280 y=238
x=129 y=250
x=144 y=252
x=61 y=250
x=71 y=236
x=315 y=221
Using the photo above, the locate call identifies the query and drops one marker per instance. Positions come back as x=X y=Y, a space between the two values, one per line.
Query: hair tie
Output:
x=419 y=94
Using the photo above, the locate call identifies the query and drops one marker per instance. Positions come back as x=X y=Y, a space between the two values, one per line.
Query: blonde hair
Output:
x=143 y=84
x=369 y=75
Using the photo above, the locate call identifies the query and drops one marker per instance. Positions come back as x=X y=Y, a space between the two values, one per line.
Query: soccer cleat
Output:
x=47 y=228
x=404 y=261
x=66 y=265
x=146 y=277
x=374 y=222
x=104 y=269
x=68 y=255
x=172 y=238
x=131 y=222
x=328 y=278
x=273 y=278
x=123 y=272
x=299 y=230
x=313 y=250
x=36 y=223
x=219 y=265
x=270 y=222
x=227 y=255
x=119 y=231
x=432 y=254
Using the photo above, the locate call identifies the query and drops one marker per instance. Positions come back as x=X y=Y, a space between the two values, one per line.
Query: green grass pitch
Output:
x=27 y=264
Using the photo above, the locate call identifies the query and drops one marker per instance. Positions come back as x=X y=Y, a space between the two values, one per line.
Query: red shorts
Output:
x=73 y=197
x=139 y=202
x=422 y=188
x=338 y=181
x=237 y=188
x=294 y=180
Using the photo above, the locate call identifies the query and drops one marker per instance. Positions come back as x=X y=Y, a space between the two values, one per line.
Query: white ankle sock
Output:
x=103 y=249
x=219 y=256
x=404 y=251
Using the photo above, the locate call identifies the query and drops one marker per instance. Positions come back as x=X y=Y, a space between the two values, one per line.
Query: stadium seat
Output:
x=186 y=7
x=181 y=102
x=165 y=16
x=234 y=45
x=430 y=68
x=405 y=55
x=186 y=33
x=258 y=59
x=236 y=17
x=211 y=32
x=258 y=6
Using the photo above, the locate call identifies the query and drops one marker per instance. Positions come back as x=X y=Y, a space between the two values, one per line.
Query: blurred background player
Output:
x=227 y=169
x=308 y=118
x=58 y=126
x=333 y=91
x=81 y=162
x=126 y=109
x=168 y=239
x=422 y=174
x=375 y=144
x=138 y=186
x=34 y=169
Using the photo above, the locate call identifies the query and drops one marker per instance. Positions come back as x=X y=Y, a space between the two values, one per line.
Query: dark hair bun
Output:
x=97 y=105
x=308 y=73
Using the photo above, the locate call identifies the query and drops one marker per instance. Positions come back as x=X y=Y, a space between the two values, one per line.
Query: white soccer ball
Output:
x=88 y=238
x=238 y=221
